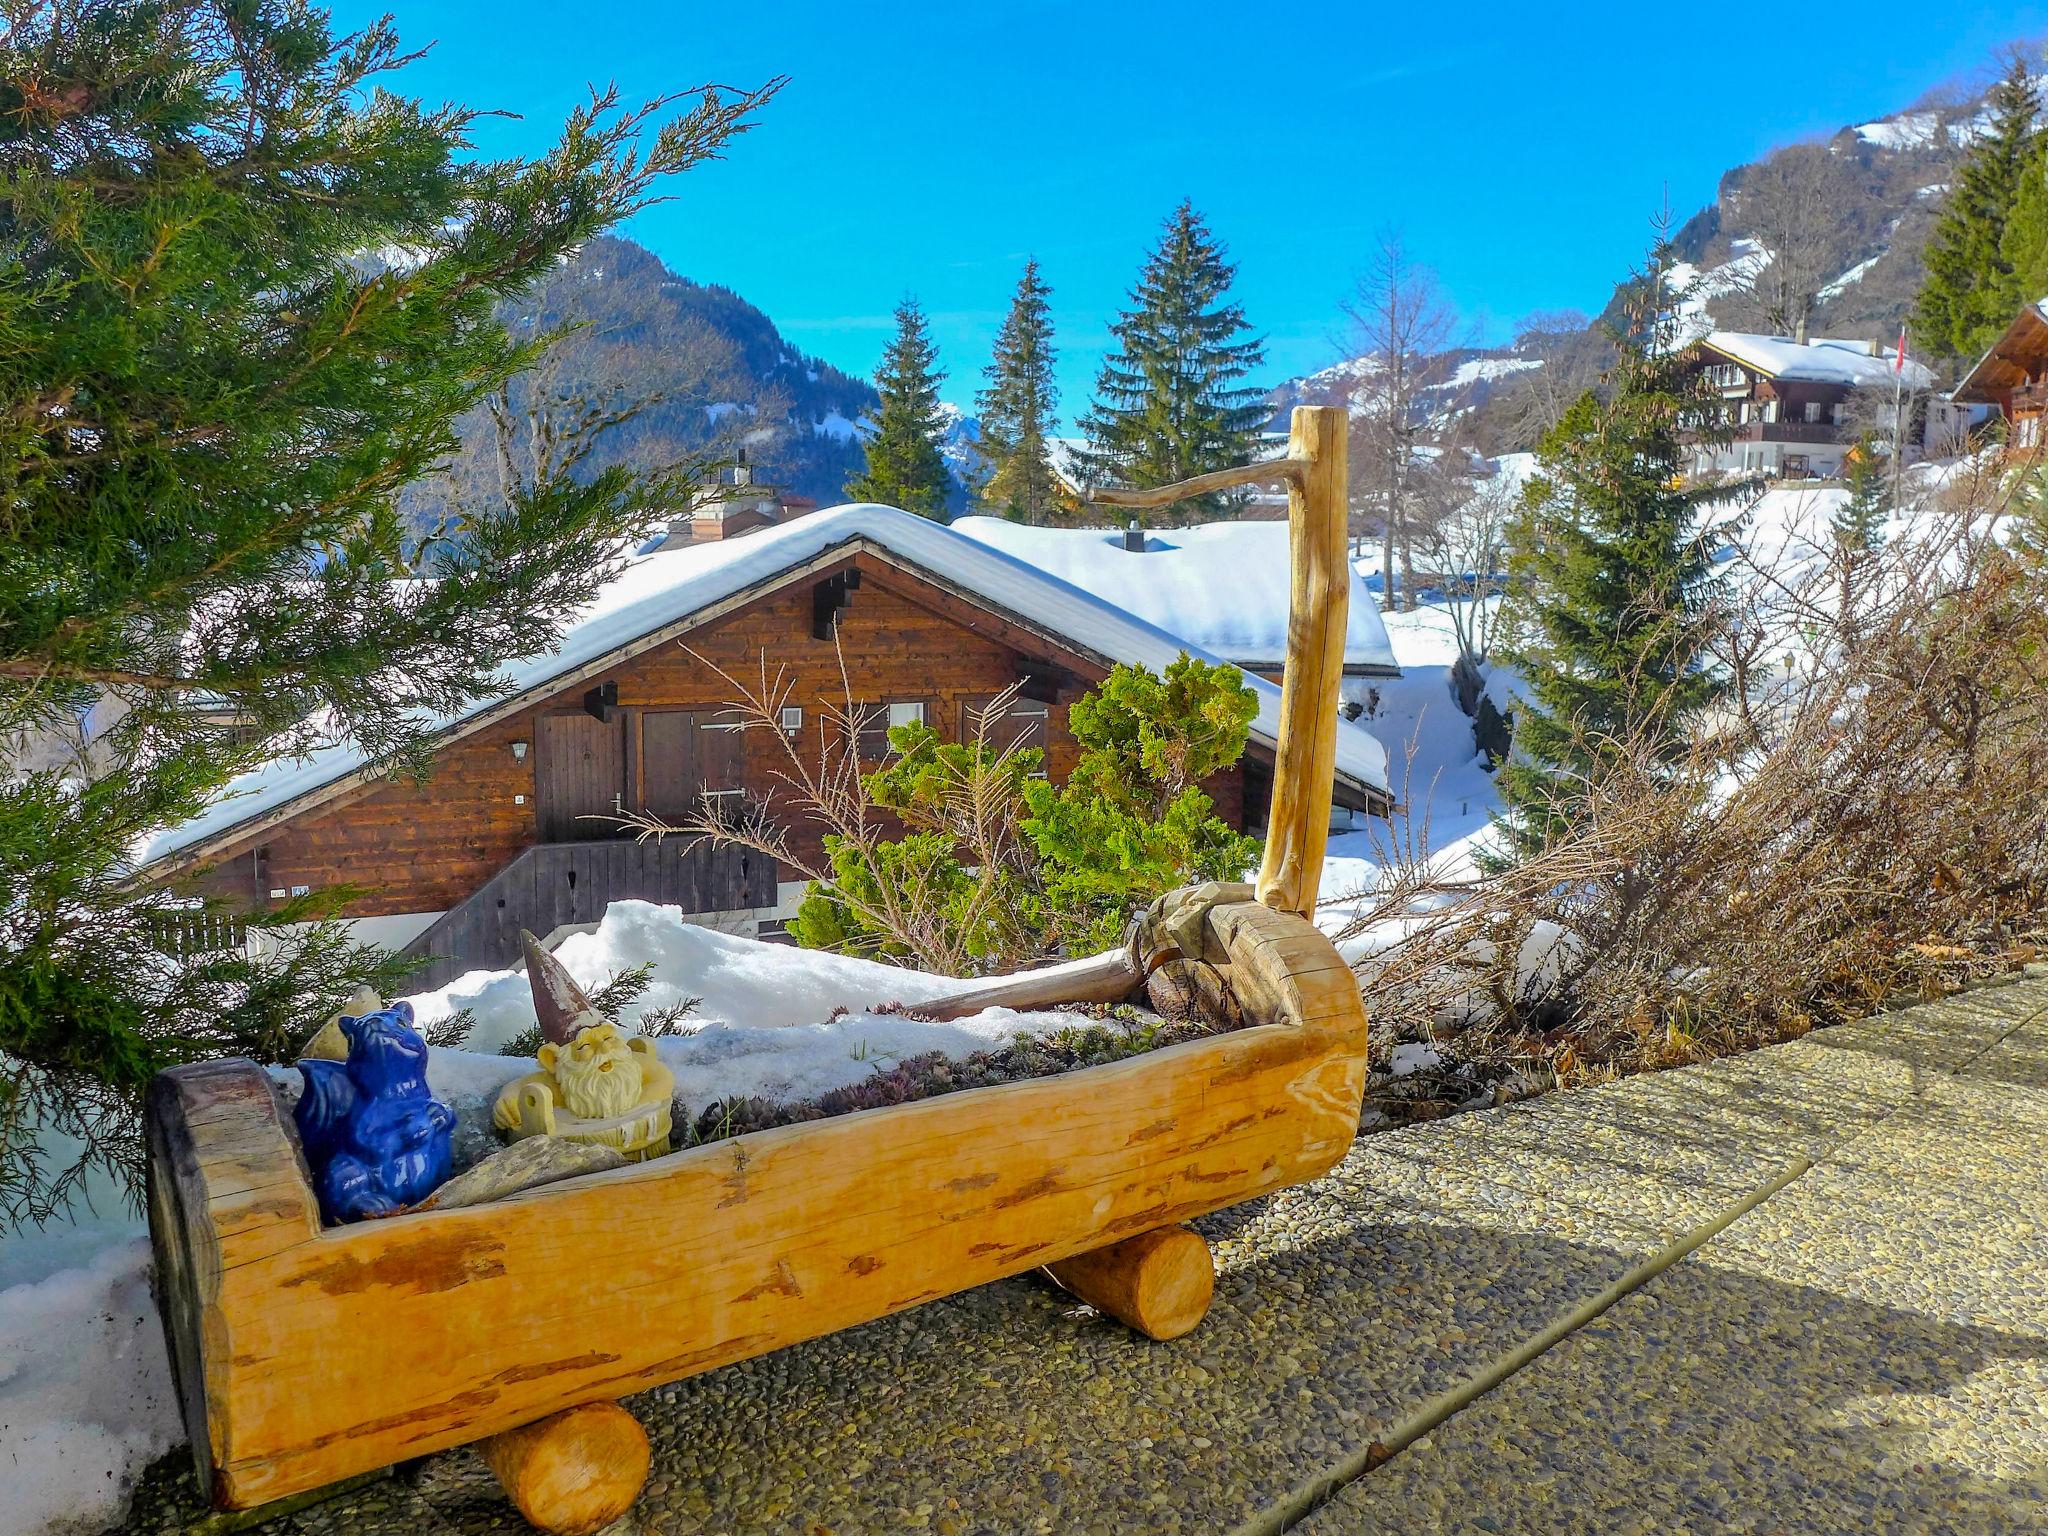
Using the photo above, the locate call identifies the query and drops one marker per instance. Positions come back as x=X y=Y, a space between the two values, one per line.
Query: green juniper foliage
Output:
x=1977 y=265
x=1015 y=868
x=905 y=467
x=1610 y=572
x=1132 y=821
x=1017 y=410
x=244 y=295
x=1170 y=400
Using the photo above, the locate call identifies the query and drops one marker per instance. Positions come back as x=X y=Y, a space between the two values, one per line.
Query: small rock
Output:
x=526 y=1164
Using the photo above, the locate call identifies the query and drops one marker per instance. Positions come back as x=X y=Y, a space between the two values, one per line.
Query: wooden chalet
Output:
x=2012 y=377
x=1785 y=403
x=513 y=827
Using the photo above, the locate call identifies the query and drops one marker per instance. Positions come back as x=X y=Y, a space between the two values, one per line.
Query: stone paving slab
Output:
x=1341 y=1308
x=1866 y=1350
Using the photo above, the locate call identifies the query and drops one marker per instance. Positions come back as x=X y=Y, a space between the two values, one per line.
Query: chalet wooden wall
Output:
x=425 y=847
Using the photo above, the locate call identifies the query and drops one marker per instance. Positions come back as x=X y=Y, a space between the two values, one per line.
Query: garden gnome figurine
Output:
x=375 y=1139
x=595 y=1083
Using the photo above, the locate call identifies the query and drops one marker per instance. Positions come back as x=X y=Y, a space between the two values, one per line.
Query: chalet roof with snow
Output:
x=1222 y=586
x=2016 y=357
x=666 y=592
x=1856 y=364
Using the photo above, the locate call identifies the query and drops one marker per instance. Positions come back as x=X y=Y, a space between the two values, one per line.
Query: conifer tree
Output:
x=1859 y=522
x=1609 y=573
x=1017 y=409
x=905 y=465
x=1858 y=527
x=1972 y=288
x=1169 y=402
x=211 y=396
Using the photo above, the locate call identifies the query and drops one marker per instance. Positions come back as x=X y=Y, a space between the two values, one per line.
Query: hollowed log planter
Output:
x=305 y=1355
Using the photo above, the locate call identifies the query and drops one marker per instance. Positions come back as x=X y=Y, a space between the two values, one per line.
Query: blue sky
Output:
x=928 y=148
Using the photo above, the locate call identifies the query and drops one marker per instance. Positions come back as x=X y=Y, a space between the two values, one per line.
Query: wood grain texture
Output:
x=1110 y=977
x=1261 y=472
x=1298 y=830
x=573 y=1472
x=716 y=1254
x=1159 y=1282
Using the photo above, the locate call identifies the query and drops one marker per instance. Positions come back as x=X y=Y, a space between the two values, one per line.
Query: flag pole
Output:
x=1898 y=424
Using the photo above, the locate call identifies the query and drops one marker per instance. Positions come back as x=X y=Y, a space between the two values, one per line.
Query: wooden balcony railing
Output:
x=554 y=884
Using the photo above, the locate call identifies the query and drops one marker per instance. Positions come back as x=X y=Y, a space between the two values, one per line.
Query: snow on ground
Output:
x=1446 y=797
x=1488 y=369
x=86 y=1400
x=764 y=1025
x=1855 y=274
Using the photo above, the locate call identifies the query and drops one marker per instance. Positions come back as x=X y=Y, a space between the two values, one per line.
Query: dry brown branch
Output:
x=1869 y=817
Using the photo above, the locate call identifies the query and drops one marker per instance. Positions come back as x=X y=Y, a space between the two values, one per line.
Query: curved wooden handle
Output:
x=1298 y=830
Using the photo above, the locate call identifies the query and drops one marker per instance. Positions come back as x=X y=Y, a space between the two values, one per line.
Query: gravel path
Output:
x=1868 y=1345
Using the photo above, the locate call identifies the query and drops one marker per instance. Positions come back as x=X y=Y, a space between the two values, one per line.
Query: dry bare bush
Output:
x=922 y=913
x=1867 y=816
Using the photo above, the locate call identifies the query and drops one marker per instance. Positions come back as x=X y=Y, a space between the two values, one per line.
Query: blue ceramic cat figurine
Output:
x=374 y=1138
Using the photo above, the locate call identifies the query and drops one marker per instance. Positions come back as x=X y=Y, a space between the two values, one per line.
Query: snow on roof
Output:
x=1820 y=361
x=661 y=589
x=1223 y=586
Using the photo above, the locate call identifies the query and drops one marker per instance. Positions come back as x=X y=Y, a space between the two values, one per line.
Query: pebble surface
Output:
x=1866 y=1350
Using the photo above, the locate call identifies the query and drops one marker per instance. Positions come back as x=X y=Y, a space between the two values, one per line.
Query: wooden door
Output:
x=579 y=774
x=686 y=755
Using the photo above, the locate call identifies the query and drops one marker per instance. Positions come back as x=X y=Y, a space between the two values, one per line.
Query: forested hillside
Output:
x=716 y=371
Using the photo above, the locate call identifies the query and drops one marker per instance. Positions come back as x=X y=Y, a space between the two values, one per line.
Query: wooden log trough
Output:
x=305 y=1355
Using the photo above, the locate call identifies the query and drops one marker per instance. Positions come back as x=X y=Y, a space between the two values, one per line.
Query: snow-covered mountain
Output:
x=1867 y=198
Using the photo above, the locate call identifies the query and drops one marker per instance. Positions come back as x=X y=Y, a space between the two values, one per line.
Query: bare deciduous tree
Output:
x=1531 y=401
x=1402 y=322
x=1783 y=203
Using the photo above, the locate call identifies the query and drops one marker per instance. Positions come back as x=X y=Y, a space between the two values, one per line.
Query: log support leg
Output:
x=1158 y=1282
x=573 y=1472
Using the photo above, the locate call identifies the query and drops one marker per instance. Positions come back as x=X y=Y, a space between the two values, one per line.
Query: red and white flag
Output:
x=1900 y=365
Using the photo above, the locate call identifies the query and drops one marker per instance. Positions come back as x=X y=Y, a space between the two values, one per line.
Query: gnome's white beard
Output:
x=591 y=1091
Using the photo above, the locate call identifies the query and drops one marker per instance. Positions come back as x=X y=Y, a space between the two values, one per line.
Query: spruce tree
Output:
x=1972 y=288
x=211 y=394
x=1858 y=523
x=1017 y=409
x=1169 y=401
x=1609 y=572
x=1858 y=527
x=906 y=466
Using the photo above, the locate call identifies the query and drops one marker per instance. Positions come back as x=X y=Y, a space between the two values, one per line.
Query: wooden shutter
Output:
x=722 y=749
x=579 y=772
